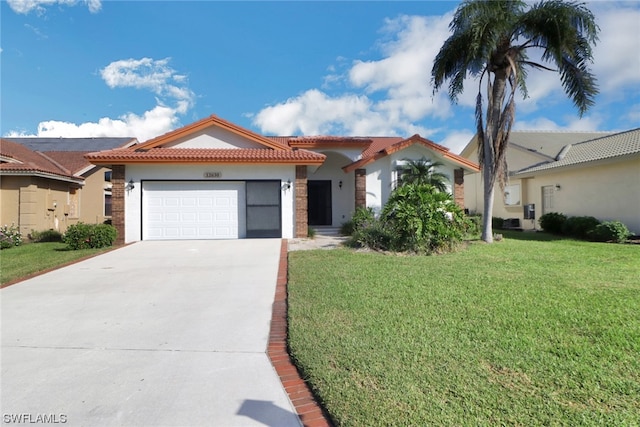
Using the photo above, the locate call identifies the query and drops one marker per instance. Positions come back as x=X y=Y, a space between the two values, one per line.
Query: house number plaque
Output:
x=213 y=174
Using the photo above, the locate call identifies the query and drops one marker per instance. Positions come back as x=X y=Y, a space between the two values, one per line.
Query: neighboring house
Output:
x=213 y=179
x=48 y=184
x=575 y=173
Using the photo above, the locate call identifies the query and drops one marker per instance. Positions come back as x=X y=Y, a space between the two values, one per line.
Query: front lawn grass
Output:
x=22 y=261
x=520 y=332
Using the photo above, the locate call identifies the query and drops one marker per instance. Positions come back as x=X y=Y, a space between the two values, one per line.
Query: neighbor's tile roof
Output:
x=68 y=153
x=86 y=145
x=29 y=162
x=607 y=147
x=206 y=155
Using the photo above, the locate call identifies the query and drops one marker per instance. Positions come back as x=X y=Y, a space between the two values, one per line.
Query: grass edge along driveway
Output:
x=21 y=262
x=517 y=332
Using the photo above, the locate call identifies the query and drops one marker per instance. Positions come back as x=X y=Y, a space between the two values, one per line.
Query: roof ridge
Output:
x=57 y=164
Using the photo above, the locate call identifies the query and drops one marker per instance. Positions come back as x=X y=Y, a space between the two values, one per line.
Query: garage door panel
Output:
x=193 y=210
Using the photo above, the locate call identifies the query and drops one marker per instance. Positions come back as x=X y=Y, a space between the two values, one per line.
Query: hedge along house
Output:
x=213 y=179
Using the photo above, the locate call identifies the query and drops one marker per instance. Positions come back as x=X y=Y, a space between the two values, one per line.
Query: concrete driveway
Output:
x=151 y=334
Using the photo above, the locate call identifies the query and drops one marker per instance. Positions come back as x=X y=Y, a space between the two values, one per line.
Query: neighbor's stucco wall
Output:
x=10 y=198
x=92 y=197
x=138 y=173
x=34 y=203
x=605 y=190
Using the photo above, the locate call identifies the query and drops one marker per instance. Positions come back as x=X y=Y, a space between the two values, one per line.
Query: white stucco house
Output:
x=575 y=173
x=213 y=179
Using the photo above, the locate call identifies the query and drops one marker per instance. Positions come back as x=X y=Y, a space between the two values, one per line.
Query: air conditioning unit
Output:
x=530 y=211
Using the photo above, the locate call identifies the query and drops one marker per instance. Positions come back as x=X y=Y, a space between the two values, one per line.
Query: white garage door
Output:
x=179 y=210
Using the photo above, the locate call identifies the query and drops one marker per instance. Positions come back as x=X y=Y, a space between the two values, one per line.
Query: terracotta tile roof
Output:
x=73 y=161
x=384 y=146
x=621 y=144
x=28 y=162
x=206 y=155
x=324 y=141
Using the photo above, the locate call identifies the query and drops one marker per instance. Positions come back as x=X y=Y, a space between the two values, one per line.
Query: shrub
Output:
x=579 y=226
x=473 y=224
x=374 y=236
x=419 y=218
x=45 y=236
x=610 y=231
x=311 y=232
x=10 y=236
x=552 y=222
x=86 y=236
x=497 y=222
x=360 y=219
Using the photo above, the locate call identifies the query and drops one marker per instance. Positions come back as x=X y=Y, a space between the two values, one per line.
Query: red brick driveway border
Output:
x=308 y=409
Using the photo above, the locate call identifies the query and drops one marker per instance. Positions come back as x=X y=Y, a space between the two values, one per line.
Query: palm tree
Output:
x=422 y=171
x=490 y=40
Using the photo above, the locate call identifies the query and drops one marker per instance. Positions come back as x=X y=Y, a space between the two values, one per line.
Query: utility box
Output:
x=530 y=211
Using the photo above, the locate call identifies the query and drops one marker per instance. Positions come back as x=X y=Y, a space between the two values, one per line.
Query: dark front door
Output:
x=319 y=202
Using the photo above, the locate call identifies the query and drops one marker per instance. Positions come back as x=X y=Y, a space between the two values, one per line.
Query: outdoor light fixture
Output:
x=558 y=187
x=340 y=184
x=286 y=185
x=130 y=185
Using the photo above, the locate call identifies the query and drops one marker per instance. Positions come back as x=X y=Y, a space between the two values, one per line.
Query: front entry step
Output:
x=327 y=231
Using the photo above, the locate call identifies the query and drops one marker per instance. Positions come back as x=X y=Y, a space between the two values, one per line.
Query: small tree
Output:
x=491 y=40
x=422 y=171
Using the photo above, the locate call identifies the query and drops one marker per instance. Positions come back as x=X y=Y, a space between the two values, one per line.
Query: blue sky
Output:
x=141 y=68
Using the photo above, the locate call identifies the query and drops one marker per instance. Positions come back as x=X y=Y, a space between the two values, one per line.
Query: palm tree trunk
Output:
x=494 y=111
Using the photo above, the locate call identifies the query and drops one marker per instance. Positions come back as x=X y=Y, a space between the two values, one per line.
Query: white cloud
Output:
x=388 y=96
x=456 y=140
x=617 y=57
x=174 y=98
x=39 y=6
x=394 y=93
x=148 y=73
x=152 y=123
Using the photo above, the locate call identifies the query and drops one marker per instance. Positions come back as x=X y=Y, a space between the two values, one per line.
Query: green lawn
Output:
x=528 y=331
x=21 y=261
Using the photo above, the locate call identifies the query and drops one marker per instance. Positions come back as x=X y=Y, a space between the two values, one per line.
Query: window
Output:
x=107 y=203
x=107 y=176
x=512 y=195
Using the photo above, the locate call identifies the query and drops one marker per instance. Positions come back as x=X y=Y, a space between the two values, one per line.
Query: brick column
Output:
x=361 y=188
x=117 y=201
x=458 y=187
x=302 y=217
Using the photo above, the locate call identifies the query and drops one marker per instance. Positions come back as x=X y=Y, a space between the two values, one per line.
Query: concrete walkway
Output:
x=155 y=333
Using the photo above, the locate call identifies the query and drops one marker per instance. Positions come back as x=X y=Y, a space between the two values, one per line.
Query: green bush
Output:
x=374 y=236
x=360 y=219
x=311 y=232
x=610 y=231
x=579 y=226
x=553 y=222
x=473 y=224
x=87 y=236
x=45 y=236
x=10 y=236
x=419 y=218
